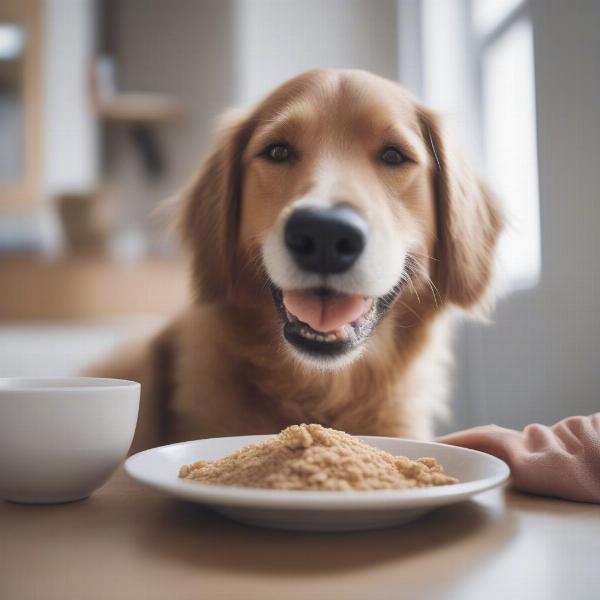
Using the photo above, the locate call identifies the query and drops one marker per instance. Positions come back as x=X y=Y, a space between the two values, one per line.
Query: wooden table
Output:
x=129 y=542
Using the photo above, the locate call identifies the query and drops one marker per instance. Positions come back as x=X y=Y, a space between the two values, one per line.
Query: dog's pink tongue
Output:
x=325 y=313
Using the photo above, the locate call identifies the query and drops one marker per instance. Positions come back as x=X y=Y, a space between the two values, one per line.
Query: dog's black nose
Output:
x=325 y=240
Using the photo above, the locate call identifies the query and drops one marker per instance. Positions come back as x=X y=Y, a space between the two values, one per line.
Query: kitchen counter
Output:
x=126 y=541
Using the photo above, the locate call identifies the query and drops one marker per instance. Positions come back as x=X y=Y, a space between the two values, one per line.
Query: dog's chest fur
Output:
x=229 y=379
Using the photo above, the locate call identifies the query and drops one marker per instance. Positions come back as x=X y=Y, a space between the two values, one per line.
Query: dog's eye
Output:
x=278 y=153
x=392 y=156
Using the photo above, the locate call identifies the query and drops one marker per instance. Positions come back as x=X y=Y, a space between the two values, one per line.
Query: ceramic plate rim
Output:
x=317 y=500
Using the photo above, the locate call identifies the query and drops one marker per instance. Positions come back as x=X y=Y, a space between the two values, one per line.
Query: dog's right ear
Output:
x=210 y=213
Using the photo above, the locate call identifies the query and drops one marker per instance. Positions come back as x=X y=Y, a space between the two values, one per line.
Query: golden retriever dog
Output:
x=332 y=228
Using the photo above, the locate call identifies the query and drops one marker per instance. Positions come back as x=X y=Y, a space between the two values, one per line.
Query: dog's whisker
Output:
x=424 y=255
x=411 y=266
x=251 y=264
x=434 y=291
x=411 y=310
x=255 y=265
x=421 y=270
x=414 y=289
x=437 y=297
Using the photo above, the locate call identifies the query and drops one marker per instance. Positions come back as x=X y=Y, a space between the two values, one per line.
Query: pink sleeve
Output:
x=561 y=461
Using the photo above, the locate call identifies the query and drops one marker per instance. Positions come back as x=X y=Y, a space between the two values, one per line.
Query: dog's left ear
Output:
x=210 y=213
x=469 y=221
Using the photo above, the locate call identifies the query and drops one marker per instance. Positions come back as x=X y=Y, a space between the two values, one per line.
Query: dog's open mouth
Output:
x=327 y=323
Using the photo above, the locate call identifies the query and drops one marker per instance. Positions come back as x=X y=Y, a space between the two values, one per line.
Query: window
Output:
x=509 y=137
x=478 y=70
x=487 y=14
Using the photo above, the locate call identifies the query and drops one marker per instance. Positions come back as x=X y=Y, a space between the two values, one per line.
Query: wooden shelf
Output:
x=89 y=288
x=139 y=108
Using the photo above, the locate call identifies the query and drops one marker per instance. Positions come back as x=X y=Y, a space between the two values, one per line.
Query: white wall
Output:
x=540 y=361
x=280 y=38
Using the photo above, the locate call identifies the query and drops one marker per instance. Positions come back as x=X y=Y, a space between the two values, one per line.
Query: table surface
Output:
x=126 y=541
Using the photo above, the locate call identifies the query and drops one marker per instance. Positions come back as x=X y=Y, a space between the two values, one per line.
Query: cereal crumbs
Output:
x=312 y=457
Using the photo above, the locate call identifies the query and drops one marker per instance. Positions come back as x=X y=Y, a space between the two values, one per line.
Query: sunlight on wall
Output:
x=510 y=149
x=488 y=13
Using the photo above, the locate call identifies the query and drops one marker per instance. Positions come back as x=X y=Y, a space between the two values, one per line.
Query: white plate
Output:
x=318 y=511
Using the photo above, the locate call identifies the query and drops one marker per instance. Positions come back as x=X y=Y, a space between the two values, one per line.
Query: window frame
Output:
x=477 y=45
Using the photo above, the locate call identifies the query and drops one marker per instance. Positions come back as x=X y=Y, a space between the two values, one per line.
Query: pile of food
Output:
x=312 y=457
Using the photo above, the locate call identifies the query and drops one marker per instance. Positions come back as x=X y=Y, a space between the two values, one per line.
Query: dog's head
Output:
x=338 y=193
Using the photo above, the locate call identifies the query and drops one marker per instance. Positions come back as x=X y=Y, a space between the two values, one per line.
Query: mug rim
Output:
x=64 y=384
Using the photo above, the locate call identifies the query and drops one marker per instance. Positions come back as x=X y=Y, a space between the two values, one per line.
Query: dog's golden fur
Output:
x=221 y=368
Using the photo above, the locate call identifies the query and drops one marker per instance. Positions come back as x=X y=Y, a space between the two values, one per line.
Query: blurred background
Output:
x=106 y=108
